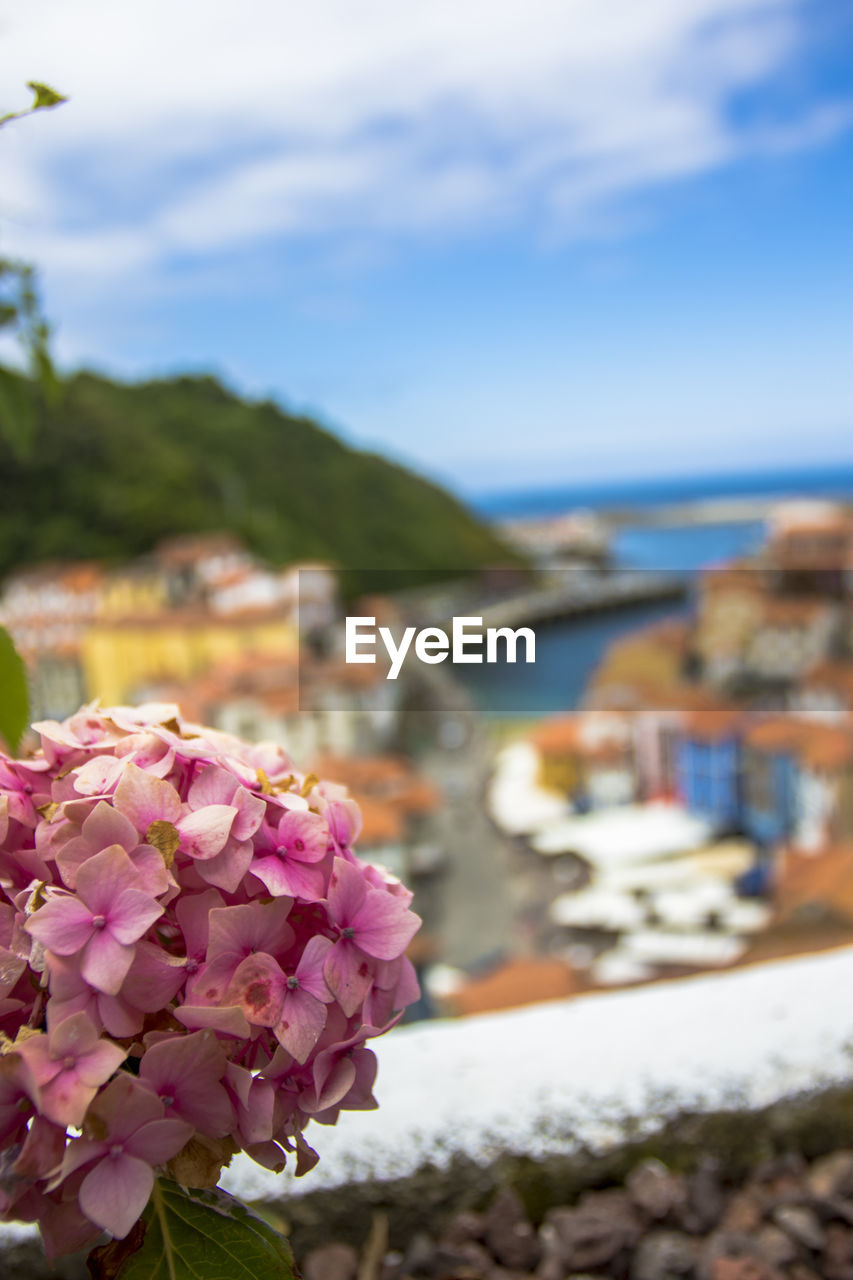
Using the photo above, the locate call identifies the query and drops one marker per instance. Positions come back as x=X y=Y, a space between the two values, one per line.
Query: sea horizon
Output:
x=825 y=481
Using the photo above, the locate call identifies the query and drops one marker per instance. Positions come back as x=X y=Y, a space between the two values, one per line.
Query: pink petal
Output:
x=120 y=1018
x=124 y=1105
x=154 y=978
x=42 y=1067
x=96 y=1067
x=305 y=836
x=63 y=925
x=347 y=891
x=193 y=912
x=258 y=986
x=105 y=825
x=226 y=870
x=344 y=819
x=159 y=1140
x=214 y=785
x=383 y=926
x=73 y=1037
x=253 y=926
x=152 y=873
x=302 y=1021
x=336 y=1084
x=97 y=776
x=348 y=975
x=114 y=1194
x=131 y=914
x=106 y=962
x=230 y=1021
x=145 y=799
x=292 y=879
x=102 y=878
x=267 y=1154
x=250 y=814
x=204 y=832
x=71 y=857
x=311 y=968
x=65 y=1099
x=189 y=1069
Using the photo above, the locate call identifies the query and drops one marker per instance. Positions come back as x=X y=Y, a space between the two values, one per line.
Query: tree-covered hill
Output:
x=115 y=467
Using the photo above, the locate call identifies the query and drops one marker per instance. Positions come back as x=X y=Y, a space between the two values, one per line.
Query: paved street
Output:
x=472 y=900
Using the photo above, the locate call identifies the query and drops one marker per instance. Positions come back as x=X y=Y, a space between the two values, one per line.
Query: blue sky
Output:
x=511 y=243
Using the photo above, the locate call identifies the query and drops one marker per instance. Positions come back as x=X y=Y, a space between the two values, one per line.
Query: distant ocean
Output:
x=684 y=547
x=568 y=650
x=816 y=482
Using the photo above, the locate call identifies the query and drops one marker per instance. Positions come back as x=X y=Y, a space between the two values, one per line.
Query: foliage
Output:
x=43 y=99
x=187 y=1234
x=20 y=312
x=14 y=693
x=120 y=466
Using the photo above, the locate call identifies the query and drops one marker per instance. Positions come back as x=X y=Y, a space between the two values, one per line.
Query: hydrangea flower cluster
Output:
x=192 y=960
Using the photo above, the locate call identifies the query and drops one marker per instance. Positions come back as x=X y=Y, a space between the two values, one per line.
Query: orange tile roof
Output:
x=776 y=733
x=520 y=981
x=837 y=676
x=570 y=735
x=787 y=611
x=714 y=723
x=382 y=823
x=391 y=779
x=824 y=880
x=826 y=747
x=185 y=548
x=818 y=745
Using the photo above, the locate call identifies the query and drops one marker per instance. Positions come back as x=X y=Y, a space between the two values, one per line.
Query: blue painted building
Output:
x=707 y=767
x=770 y=770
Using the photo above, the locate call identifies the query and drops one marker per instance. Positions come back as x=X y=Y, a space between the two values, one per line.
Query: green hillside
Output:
x=115 y=467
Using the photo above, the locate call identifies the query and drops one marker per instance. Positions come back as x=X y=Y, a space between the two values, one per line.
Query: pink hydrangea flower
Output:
x=199 y=900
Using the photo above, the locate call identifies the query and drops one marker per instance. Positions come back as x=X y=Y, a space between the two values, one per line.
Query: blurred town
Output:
x=692 y=809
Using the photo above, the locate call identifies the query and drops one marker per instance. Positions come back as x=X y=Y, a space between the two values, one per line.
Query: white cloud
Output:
x=197 y=127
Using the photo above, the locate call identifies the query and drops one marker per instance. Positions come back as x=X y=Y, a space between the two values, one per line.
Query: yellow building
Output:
x=122 y=657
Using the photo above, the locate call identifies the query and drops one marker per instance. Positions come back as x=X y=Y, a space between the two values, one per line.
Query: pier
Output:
x=585 y=594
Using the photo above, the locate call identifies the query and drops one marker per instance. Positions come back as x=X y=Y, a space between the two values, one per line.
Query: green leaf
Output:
x=17 y=414
x=44 y=96
x=195 y=1235
x=43 y=99
x=14 y=692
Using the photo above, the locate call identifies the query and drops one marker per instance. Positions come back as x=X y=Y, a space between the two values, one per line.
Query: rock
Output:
x=706 y=1200
x=463 y=1227
x=743 y=1269
x=725 y=1245
x=604 y=1225
x=745 y=1212
x=419 y=1259
x=835 y=1208
x=331 y=1262
x=837 y=1262
x=782 y=1180
x=832 y=1176
x=655 y=1189
x=664 y=1255
x=509 y=1234
x=551 y=1264
x=463 y=1260
x=774 y=1246
x=801 y=1224
x=504 y=1273
x=392 y=1265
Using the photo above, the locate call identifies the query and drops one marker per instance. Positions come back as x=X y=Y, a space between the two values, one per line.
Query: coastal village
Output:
x=695 y=812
